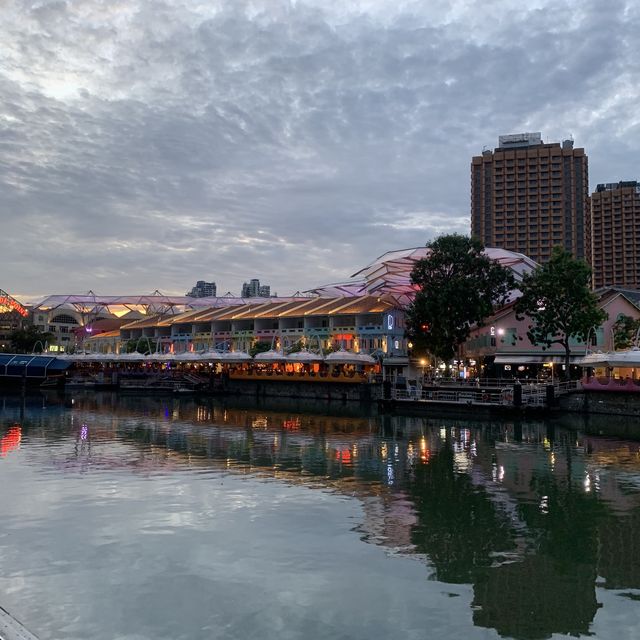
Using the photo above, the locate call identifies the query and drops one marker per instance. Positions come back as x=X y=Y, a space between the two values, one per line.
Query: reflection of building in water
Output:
x=501 y=506
x=389 y=520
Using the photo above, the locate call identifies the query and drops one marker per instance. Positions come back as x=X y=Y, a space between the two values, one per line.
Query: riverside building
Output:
x=615 y=235
x=361 y=324
x=528 y=196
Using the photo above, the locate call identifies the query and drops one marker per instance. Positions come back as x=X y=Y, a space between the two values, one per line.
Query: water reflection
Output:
x=535 y=517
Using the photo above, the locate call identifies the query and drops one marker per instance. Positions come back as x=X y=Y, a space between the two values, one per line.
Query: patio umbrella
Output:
x=234 y=357
x=304 y=356
x=348 y=357
x=270 y=356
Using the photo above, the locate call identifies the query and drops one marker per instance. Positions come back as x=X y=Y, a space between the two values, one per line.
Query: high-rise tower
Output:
x=615 y=234
x=528 y=196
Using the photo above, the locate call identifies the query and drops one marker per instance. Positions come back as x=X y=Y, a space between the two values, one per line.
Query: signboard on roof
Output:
x=8 y=304
x=520 y=139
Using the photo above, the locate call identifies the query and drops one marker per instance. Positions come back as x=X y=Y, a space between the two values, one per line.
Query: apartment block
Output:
x=528 y=196
x=615 y=234
x=203 y=289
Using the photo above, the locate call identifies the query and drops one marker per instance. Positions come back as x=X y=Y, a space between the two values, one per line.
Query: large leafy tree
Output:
x=459 y=286
x=625 y=331
x=29 y=339
x=558 y=299
x=141 y=345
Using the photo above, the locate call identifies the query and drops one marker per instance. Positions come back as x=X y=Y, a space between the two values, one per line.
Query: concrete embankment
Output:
x=357 y=392
x=606 y=403
x=11 y=629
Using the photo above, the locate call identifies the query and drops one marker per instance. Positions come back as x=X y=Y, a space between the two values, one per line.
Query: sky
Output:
x=147 y=144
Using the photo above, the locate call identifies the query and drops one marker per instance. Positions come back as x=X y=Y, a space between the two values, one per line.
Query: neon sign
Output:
x=12 y=305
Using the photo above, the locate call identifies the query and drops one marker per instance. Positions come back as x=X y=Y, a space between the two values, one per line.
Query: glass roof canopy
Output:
x=390 y=274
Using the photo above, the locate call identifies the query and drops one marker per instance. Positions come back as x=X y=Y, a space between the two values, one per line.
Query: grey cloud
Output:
x=146 y=144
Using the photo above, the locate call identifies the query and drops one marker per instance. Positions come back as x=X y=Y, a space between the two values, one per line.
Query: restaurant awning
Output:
x=33 y=366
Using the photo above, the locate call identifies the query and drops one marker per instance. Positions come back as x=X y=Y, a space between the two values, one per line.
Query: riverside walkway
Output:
x=489 y=395
x=11 y=629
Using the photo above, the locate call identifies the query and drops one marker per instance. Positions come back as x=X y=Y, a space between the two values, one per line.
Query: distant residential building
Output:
x=529 y=196
x=615 y=235
x=253 y=289
x=203 y=289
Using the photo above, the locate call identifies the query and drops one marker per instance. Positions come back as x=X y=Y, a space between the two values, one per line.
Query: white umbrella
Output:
x=96 y=357
x=348 y=357
x=187 y=356
x=630 y=358
x=270 y=356
x=133 y=357
x=594 y=359
x=233 y=356
x=212 y=355
x=77 y=357
x=160 y=357
x=304 y=356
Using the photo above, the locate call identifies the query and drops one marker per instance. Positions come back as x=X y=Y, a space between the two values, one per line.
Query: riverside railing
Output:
x=531 y=394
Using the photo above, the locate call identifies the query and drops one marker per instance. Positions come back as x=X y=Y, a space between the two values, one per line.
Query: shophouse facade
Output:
x=363 y=324
x=501 y=347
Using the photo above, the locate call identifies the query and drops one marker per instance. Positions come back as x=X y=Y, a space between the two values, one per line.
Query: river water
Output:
x=154 y=518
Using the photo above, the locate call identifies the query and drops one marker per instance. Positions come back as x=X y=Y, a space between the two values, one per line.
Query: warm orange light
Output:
x=11 y=440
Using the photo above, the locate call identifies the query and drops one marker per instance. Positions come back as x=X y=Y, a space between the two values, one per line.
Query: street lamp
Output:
x=423 y=364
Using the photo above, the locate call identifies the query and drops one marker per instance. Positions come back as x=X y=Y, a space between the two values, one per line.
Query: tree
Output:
x=459 y=287
x=625 y=331
x=143 y=345
x=259 y=346
x=29 y=339
x=558 y=299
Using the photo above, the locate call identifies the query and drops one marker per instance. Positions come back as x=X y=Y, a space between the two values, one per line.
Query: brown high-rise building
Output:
x=528 y=196
x=615 y=235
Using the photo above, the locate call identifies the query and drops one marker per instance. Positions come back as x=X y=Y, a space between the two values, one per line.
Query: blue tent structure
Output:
x=36 y=366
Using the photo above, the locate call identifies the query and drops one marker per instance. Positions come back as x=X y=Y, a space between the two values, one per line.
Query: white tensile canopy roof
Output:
x=629 y=358
x=92 y=302
x=390 y=274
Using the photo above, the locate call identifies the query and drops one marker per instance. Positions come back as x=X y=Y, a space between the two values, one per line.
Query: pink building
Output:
x=502 y=349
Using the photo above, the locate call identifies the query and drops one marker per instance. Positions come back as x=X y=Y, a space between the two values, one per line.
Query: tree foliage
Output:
x=259 y=346
x=29 y=339
x=558 y=299
x=625 y=330
x=459 y=287
x=143 y=345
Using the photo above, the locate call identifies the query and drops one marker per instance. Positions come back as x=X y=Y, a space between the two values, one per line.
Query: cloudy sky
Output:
x=145 y=144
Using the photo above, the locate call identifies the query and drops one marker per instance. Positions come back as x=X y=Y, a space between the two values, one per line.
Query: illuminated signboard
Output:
x=389 y=322
x=7 y=303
